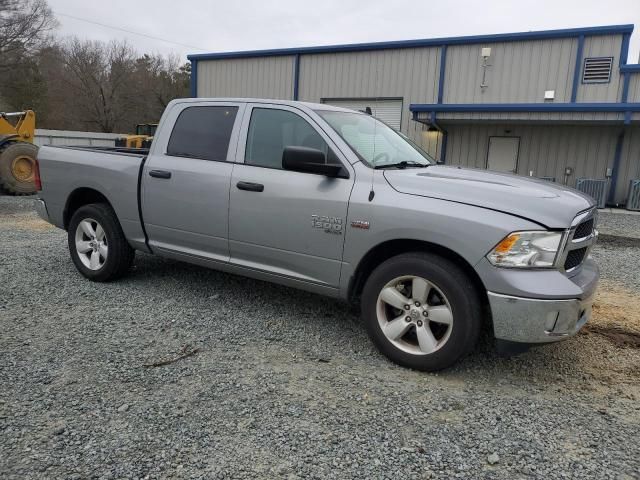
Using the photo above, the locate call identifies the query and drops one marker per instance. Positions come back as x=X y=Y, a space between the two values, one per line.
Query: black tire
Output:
x=459 y=290
x=120 y=254
x=10 y=182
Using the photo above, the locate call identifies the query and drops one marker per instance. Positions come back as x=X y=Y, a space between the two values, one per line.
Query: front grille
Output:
x=584 y=229
x=574 y=258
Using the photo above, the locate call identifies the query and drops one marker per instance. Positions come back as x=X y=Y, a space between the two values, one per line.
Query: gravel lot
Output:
x=286 y=384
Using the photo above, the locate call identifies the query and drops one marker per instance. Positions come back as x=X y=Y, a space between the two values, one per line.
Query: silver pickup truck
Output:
x=335 y=202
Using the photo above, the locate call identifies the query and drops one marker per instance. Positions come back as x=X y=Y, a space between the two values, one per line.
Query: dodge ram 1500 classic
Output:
x=335 y=202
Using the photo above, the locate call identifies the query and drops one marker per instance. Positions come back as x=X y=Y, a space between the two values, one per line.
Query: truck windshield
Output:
x=377 y=144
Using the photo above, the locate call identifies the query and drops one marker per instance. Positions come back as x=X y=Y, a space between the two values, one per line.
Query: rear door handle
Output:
x=160 y=173
x=250 y=187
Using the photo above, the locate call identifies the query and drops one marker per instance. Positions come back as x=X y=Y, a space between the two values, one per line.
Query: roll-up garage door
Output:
x=389 y=111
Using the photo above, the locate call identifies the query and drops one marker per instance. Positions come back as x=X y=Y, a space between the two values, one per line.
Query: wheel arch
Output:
x=80 y=197
x=391 y=248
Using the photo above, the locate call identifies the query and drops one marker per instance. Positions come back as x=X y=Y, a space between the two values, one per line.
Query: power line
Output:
x=128 y=31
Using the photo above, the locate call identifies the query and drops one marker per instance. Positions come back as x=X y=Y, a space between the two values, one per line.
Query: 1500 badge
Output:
x=328 y=224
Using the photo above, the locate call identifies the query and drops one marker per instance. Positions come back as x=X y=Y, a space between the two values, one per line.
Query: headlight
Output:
x=526 y=250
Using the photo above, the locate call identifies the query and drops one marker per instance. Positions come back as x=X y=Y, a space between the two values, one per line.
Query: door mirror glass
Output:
x=309 y=160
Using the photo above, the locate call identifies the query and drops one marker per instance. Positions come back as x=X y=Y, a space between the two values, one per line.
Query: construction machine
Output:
x=18 y=169
x=142 y=138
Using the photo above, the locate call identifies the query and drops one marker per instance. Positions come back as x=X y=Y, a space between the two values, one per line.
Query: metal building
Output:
x=558 y=104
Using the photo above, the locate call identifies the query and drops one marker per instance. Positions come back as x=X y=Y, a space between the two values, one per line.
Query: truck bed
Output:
x=113 y=172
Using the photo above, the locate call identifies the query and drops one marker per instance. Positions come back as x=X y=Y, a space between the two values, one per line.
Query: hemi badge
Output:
x=360 y=224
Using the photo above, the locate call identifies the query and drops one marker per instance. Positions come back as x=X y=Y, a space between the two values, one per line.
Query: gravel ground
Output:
x=620 y=224
x=285 y=384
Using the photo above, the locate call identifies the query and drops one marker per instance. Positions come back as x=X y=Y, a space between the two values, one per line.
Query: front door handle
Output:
x=250 y=187
x=160 y=174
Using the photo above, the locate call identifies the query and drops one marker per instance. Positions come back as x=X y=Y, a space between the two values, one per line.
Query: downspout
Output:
x=194 y=78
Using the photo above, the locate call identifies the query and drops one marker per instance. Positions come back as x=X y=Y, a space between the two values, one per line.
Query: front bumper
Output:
x=530 y=320
x=557 y=307
x=41 y=210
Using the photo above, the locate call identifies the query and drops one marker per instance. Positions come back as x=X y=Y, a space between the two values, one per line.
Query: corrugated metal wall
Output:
x=262 y=77
x=408 y=73
x=629 y=162
x=546 y=150
x=602 y=46
x=519 y=72
x=634 y=88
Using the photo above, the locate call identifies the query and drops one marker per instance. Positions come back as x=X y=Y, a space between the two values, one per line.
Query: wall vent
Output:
x=597 y=70
x=595 y=188
x=633 y=201
x=548 y=179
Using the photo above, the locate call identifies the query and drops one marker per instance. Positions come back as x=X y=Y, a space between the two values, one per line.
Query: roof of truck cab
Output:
x=291 y=103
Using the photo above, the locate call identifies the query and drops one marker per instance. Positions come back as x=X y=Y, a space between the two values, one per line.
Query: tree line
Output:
x=75 y=84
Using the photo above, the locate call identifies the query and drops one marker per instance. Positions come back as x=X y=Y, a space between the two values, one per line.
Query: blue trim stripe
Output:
x=525 y=107
x=576 y=70
x=194 y=78
x=296 y=76
x=633 y=68
x=625 y=86
x=624 y=49
x=443 y=65
x=435 y=42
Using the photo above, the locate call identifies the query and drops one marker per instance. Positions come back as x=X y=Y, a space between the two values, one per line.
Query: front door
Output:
x=185 y=182
x=283 y=222
x=503 y=154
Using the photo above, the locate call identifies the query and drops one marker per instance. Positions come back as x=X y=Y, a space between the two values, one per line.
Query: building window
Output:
x=597 y=70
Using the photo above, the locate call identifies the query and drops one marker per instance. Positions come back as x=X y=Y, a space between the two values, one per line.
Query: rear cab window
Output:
x=202 y=132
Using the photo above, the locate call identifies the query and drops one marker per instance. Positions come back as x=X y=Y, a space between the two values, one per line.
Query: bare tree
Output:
x=24 y=25
x=100 y=75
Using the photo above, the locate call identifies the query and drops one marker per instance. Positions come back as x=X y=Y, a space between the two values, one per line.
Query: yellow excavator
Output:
x=18 y=153
x=142 y=138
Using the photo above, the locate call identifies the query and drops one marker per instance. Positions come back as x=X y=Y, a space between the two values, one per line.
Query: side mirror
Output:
x=309 y=160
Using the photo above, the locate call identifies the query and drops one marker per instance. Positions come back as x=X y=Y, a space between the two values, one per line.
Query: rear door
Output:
x=283 y=222
x=185 y=181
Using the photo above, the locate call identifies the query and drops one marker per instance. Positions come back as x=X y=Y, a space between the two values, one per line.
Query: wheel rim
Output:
x=414 y=315
x=22 y=168
x=91 y=244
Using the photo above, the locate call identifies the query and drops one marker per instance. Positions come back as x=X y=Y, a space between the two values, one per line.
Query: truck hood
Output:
x=546 y=203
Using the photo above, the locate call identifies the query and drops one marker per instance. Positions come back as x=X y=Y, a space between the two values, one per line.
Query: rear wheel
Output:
x=422 y=311
x=18 y=167
x=97 y=244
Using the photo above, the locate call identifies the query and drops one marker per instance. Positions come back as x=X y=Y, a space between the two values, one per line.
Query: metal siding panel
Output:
x=410 y=74
x=602 y=46
x=546 y=150
x=629 y=163
x=264 y=77
x=634 y=88
x=389 y=111
x=519 y=72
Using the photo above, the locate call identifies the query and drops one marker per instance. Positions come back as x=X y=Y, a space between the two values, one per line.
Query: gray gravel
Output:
x=621 y=224
x=285 y=384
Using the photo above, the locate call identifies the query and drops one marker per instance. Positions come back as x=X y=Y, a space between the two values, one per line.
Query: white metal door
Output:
x=503 y=154
x=389 y=111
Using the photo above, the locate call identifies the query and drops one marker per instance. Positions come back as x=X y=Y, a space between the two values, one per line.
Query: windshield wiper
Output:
x=402 y=164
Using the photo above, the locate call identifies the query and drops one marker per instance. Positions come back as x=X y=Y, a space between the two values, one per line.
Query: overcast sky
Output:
x=218 y=26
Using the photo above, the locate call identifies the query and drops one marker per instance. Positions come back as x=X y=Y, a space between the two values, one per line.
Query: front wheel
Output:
x=97 y=244
x=422 y=311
